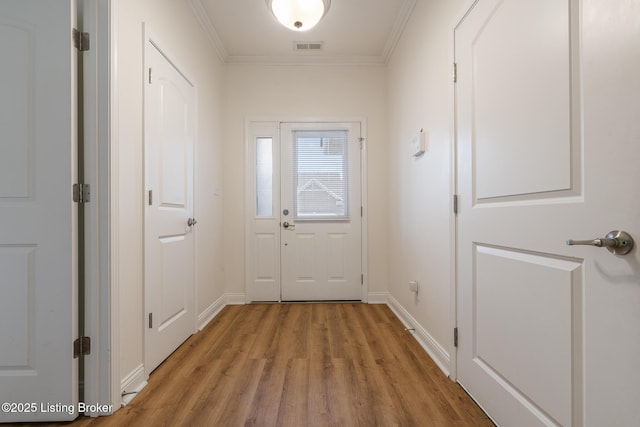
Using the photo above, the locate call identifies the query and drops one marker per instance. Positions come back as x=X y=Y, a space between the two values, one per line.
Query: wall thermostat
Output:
x=418 y=143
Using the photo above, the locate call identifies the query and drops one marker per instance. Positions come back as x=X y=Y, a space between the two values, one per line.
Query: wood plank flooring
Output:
x=326 y=364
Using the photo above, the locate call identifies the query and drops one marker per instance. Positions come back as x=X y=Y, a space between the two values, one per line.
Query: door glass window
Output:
x=320 y=176
x=264 y=177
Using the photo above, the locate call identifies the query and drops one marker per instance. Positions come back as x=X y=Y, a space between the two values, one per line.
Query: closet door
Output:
x=38 y=218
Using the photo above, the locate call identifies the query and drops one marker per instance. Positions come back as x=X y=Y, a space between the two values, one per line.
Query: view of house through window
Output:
x=320 y=175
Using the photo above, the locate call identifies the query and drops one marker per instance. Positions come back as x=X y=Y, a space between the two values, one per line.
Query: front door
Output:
x=38 y=219
x=304 y=237
x=320 y=212
x=547 y=145
x=169 y=135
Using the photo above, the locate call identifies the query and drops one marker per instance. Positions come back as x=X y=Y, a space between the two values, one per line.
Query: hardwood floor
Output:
x=345 y=364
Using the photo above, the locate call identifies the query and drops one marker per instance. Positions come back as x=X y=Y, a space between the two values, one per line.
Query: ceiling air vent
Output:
x=307 y=46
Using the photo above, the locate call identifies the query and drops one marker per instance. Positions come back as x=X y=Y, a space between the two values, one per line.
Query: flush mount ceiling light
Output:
x=299 y=15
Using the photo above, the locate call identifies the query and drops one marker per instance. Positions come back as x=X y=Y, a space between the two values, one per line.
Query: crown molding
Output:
x=398 y=28
x=396 y=32
x=206 y=24
x=307 y=60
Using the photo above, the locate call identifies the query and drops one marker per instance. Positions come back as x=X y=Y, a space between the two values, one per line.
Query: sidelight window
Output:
x=264 y=177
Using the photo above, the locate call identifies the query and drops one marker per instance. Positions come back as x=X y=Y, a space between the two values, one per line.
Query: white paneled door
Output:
x=548 y=141
x=320 y=212
x=304 y=225
x=38 y=220
x=170 y=114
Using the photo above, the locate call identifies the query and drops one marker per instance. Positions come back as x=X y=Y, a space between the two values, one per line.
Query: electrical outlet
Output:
x=413 y=287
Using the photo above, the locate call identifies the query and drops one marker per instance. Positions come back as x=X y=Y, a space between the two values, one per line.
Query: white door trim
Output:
x=102 y=372
x=453 y=191
x=100 y=124
x=249 y=202
x=110 y=366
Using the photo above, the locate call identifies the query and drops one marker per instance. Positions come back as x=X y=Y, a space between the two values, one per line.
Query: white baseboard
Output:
x=234 y=299
x=439 y=355
x=212 y=311
x=132 y=383
x=378 y=297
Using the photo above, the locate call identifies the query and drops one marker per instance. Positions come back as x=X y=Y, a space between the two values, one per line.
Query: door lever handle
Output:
x=617 y=242
x=288 y=226
x=191 y=222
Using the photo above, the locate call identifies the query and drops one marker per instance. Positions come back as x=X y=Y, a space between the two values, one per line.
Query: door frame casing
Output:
x=453 y=192
x=101 y=213
x=250 y=202
x=110 y=368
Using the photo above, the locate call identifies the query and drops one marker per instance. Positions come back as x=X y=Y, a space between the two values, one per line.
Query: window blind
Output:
x=321 y=175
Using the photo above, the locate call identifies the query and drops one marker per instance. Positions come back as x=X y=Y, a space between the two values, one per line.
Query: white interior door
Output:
x=170 y=116
x=320 y=212
x=547 y=145
x=38 y=219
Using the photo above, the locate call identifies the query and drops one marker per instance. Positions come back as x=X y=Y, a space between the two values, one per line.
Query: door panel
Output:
x=266 y=248
x=38 y=232
x=18 y=314
x=521 y=286
x=169 y=136
x=173 y=262
x=306 y=245
x=517 y=131
x=16 y=165
x=337 y=256
x=537 y=319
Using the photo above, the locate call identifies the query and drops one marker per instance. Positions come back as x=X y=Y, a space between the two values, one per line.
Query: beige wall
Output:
x=174 y=24
x=420 y=189
x=307 y=92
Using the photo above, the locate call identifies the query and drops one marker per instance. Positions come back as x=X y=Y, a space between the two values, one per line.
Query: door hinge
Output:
x=361 y=141
x=81 y=347
x=81 y=193
x=150 y=197
x=455 y=72
x=150 y=320
x=81 y=40
x=361 y=211
x=362 y=278
x=455 y=337
x=150 y=79
x=455 y=204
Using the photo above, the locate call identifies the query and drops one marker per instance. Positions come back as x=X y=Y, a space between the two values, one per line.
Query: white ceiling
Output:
x=353 y=31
